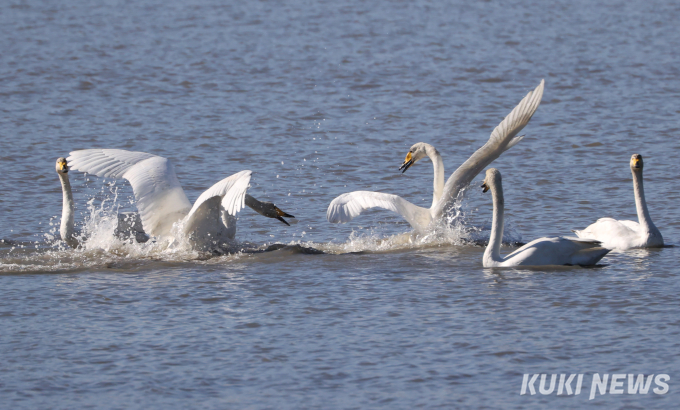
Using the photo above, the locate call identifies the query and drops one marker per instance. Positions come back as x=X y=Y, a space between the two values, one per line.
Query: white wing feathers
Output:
x=518 y=118
x=161 y=201
x=107 y=163
x=347 y=206
x=232 y=190
x=502 y=138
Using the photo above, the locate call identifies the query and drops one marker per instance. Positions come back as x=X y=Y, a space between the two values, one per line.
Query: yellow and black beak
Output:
x=485 y=187
x=407 y=163
x=63 y=167
x=637 y=163
x=280 y=214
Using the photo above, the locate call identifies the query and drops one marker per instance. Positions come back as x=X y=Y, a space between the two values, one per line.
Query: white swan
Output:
x=161 y=201
x=623 y=235
x=347 y=206
x=129 y=224
x=543 y=251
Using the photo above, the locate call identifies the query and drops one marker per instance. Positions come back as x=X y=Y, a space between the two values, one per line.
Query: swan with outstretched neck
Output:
x=66 y=229
x=543 y=251
x=347 y=206
x=623 y=235
x=162 y=203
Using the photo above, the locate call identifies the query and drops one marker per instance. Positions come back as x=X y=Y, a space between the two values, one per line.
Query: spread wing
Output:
x=211 y=220
x=347 y=206
x=160 y=199
x=503 y=137
x=231 y=192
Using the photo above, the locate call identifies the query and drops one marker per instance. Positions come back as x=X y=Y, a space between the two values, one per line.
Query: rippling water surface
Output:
x=320 y=98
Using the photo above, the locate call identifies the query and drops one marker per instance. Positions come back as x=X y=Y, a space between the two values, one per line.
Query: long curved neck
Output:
x=438 y=165
x=641 y=205
x=66 y=229
x=253 y=204
x=493 y=249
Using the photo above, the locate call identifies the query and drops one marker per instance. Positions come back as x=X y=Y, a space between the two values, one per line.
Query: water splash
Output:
x=102 y=246
x=456 y=229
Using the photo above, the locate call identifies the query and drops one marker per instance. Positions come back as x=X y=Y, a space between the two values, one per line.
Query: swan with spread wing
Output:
x=162 y=203
x=347 y=206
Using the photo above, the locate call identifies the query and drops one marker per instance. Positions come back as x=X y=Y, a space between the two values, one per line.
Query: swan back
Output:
x=557 y=251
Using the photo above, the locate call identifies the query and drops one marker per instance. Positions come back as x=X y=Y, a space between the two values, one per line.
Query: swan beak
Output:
x=63 y=167
x=407 y=163
x=485 y=187
x=636 y=163
x=280 y=214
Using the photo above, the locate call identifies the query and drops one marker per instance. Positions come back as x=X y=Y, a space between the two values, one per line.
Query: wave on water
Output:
x=102 y=246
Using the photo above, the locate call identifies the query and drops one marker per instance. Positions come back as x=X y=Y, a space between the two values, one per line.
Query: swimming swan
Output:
x=161 y=201
x=543 y=251
x=627 y=234
x=347 y=206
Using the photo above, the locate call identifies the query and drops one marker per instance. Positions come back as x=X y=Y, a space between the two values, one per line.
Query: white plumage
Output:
x=159 y=196
x=347 y=206
x=622 y=235
x=543 y=251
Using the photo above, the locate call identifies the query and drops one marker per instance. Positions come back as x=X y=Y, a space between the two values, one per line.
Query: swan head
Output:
x=492 y=179
x=417 y=152
x=636 y=162
x=270 y=210
x=62 y=166
x=280 y=214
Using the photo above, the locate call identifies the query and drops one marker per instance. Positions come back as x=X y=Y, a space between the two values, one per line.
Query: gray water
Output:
x=318 y=99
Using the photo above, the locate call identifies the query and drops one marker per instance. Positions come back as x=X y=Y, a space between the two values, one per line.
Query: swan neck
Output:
x=254 y=204
x=493 y=250
x=641 y=204
x=438 y=165
x=66 y=229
